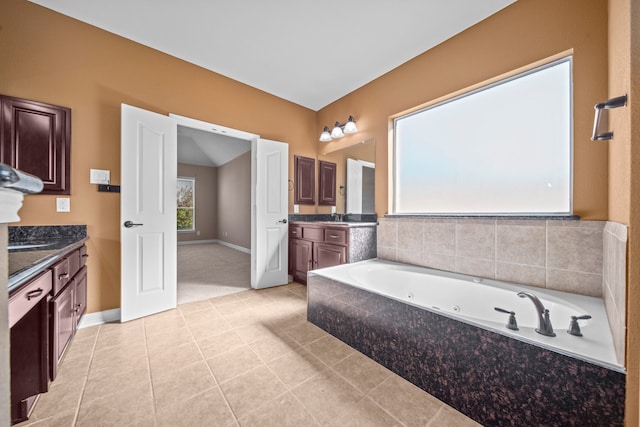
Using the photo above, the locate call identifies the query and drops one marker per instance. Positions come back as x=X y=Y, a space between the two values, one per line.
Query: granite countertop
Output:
x=337 y=223
x=33 y=249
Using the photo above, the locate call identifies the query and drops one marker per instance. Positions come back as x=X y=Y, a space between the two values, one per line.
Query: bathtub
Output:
x=472 y=300
x=440 y=331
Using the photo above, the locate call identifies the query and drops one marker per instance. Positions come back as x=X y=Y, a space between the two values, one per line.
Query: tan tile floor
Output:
x=245 y=359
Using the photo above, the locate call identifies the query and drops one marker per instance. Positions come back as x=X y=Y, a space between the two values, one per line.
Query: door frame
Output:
x=253 y=139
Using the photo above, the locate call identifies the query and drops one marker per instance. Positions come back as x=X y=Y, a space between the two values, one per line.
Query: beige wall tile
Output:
x=575 y=249
x=476 y=267
x=518 y=273
x=409 y=256
x=387 y=232
x=387 y=253
x=575 y=282
x=410 y=235
x=521 y=243
x=476 y=239
x=438 y=261
x=440 y=236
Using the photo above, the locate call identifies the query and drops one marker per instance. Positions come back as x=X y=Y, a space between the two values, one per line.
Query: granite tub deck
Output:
x=494 y=379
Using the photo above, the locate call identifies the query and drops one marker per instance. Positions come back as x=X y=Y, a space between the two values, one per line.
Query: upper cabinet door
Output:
x=305 y=185
x=36 y=139
x=327 y=185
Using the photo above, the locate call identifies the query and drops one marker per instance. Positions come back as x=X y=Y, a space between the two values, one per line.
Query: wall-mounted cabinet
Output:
x=36 y=138
x=327 y=183
x=305 y=184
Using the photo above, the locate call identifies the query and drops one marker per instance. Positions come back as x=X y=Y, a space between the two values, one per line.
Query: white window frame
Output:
x=525 y=71
x=193 y=204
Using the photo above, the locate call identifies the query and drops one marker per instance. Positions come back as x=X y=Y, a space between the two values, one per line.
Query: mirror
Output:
x=355 y=177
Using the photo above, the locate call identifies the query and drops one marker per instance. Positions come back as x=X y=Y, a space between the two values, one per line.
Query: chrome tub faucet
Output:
x=544 y=321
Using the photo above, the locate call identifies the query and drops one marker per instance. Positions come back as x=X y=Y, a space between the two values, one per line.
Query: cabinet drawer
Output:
x=61 y=275
x=312 y=233
x=295 y=232
x=25 y=299
x=335 y=236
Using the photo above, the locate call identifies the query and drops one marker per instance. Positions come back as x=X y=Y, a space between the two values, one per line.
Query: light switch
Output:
x=99 y=176
x=63 y=204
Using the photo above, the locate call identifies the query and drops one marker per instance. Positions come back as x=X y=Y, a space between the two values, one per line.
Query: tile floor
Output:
x=245 y=359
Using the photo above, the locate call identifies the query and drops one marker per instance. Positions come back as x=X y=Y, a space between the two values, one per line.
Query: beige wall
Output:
x=52 y=58
x=523 y=33
x=624 y=172
x=234 y=201
x=206 y=201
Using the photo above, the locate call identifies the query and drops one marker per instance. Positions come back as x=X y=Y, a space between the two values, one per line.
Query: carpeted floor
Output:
x=211 y=270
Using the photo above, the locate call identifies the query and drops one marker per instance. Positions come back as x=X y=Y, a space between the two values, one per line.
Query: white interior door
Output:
x=147 y=213
x=269 y=229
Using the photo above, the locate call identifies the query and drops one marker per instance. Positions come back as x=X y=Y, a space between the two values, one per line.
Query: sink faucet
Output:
x=544 y=321
x=337 y=217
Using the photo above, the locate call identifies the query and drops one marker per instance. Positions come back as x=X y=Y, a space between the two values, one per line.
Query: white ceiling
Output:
x=306 y=51
x=203 y=148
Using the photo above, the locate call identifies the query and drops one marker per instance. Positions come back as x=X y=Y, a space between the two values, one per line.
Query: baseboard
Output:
x=100 y=317
x=236 y=247
x=220 y=242
x=196 y=242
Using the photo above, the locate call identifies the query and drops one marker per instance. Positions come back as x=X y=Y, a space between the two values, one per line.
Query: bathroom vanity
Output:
x=47 y=297
x=321 y=244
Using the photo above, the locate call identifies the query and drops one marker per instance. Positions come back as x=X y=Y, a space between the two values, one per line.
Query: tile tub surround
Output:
x=487 y=376
x=614 y=282
x=555 y=254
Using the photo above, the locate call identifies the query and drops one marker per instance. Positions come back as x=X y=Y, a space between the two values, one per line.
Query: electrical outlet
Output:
x=99 y=176
x=63 y=204
x=296 y=208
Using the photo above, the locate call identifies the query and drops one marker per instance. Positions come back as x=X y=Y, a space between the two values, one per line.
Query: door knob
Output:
x=283 y=221
x=129 y=224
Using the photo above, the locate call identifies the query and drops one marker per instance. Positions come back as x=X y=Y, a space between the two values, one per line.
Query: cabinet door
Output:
x=36 y=138
x=305 y=184
x=29 y=359
x=327 y=184
x=62 y=325
x=302 y=252
x=326 y=255
x=80 y=297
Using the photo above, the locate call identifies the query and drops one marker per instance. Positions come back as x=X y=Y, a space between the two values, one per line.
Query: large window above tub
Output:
x=502 y=149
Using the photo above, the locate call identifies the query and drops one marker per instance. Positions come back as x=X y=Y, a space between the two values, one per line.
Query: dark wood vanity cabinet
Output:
x=68 y=304
x=305 y=181
x=28 y=323
x=36 y=138
x=316 y=246
x=327 y=183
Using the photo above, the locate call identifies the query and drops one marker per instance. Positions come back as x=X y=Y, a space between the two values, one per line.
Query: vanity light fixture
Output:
x=339 y=130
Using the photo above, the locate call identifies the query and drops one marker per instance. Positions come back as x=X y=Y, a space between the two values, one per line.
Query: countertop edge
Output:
x=22 y=276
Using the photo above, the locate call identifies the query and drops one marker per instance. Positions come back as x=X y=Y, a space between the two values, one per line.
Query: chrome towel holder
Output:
x=619 y=101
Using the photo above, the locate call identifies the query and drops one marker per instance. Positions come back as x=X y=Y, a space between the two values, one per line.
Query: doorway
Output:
x=148 y=277
x=214 y=226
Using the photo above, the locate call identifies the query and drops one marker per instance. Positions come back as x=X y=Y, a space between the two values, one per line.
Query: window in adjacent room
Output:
x=186 y=204
x=502 y=149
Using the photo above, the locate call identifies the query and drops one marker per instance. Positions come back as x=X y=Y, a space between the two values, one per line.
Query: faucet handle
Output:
x=574 y=326
x=511 y=323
